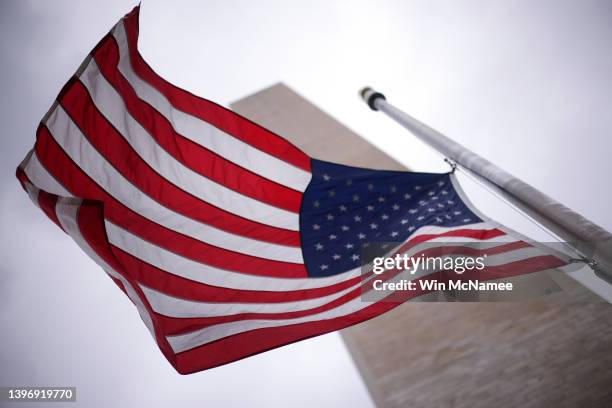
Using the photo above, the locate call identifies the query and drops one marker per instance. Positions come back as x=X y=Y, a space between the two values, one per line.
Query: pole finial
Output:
x=370 y=96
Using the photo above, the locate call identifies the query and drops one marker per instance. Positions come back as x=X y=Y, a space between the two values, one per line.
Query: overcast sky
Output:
x=526 y=84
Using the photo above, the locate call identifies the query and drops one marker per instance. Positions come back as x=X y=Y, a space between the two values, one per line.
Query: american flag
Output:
x=228 y=239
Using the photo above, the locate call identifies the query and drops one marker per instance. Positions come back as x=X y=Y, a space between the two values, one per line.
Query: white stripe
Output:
x=209 y=334
x=203 y=336
x=112 y=106
x=205 y=134
x=67 y=211
x=42 y=179
x=33 y=194
x=199 y=272
x=72 y=141
x=499 y=239
x=435 y=229
x=177 y=307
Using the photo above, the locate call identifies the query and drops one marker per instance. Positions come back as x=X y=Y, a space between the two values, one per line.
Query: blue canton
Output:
x=345 y=208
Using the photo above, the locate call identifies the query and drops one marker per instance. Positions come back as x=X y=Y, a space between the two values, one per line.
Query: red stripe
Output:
x=220 y=117
x=480 y=234
x=90 y=220
x=257 y=341
x=191 y=154
x=76 y=181
x=22 y=177
x=47 y=202
x=521 y=267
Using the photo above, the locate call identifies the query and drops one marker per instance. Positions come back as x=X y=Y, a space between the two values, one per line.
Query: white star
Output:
x=362 y=235
x=444 y=192
x=440 y=183
x=457 y=212
x=324 y=267
x=316 y=204
x=411 y=228
x=381 y=199
x=393 y=189
x=434 y=197
x=357 y=218
x=404 y=221
x=450 y=202
x=342 y=208
x=326 y=177
x=431 y=193
x=384 y=216
x=349 y=182
x=396 y=207
x=466 y=220
x=345 y=228
x=394 y=234
x=370 y=186
x=332 y=236
x=319 y=246
x=373 y=226
x=355 y=257
x=413 y=211
x=407 y=196
x=366 y=244
x=332 y=193
x=370 y=208
x=440 y=205
x=417 y=188
x=421 y=218
x=438 y=219
x=422 y=203
x=329 y=217
x=316 y=227
x=355 y=197
x=349 y=246
x=448 y=217
x=336 y=257
x=431 y=210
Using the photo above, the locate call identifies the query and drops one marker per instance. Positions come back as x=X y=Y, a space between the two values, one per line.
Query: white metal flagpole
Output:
x=589 y=239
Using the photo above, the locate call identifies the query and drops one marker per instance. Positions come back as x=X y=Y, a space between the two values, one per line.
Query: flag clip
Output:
x=588 y=261
x=451 y=163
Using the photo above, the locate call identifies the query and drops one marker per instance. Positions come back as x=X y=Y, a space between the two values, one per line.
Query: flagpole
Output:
x=587 y=238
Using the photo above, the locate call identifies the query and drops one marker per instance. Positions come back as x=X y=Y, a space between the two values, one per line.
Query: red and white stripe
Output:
x=193 y=211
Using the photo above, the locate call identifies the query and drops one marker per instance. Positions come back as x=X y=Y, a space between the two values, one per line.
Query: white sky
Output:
x=525 y=84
